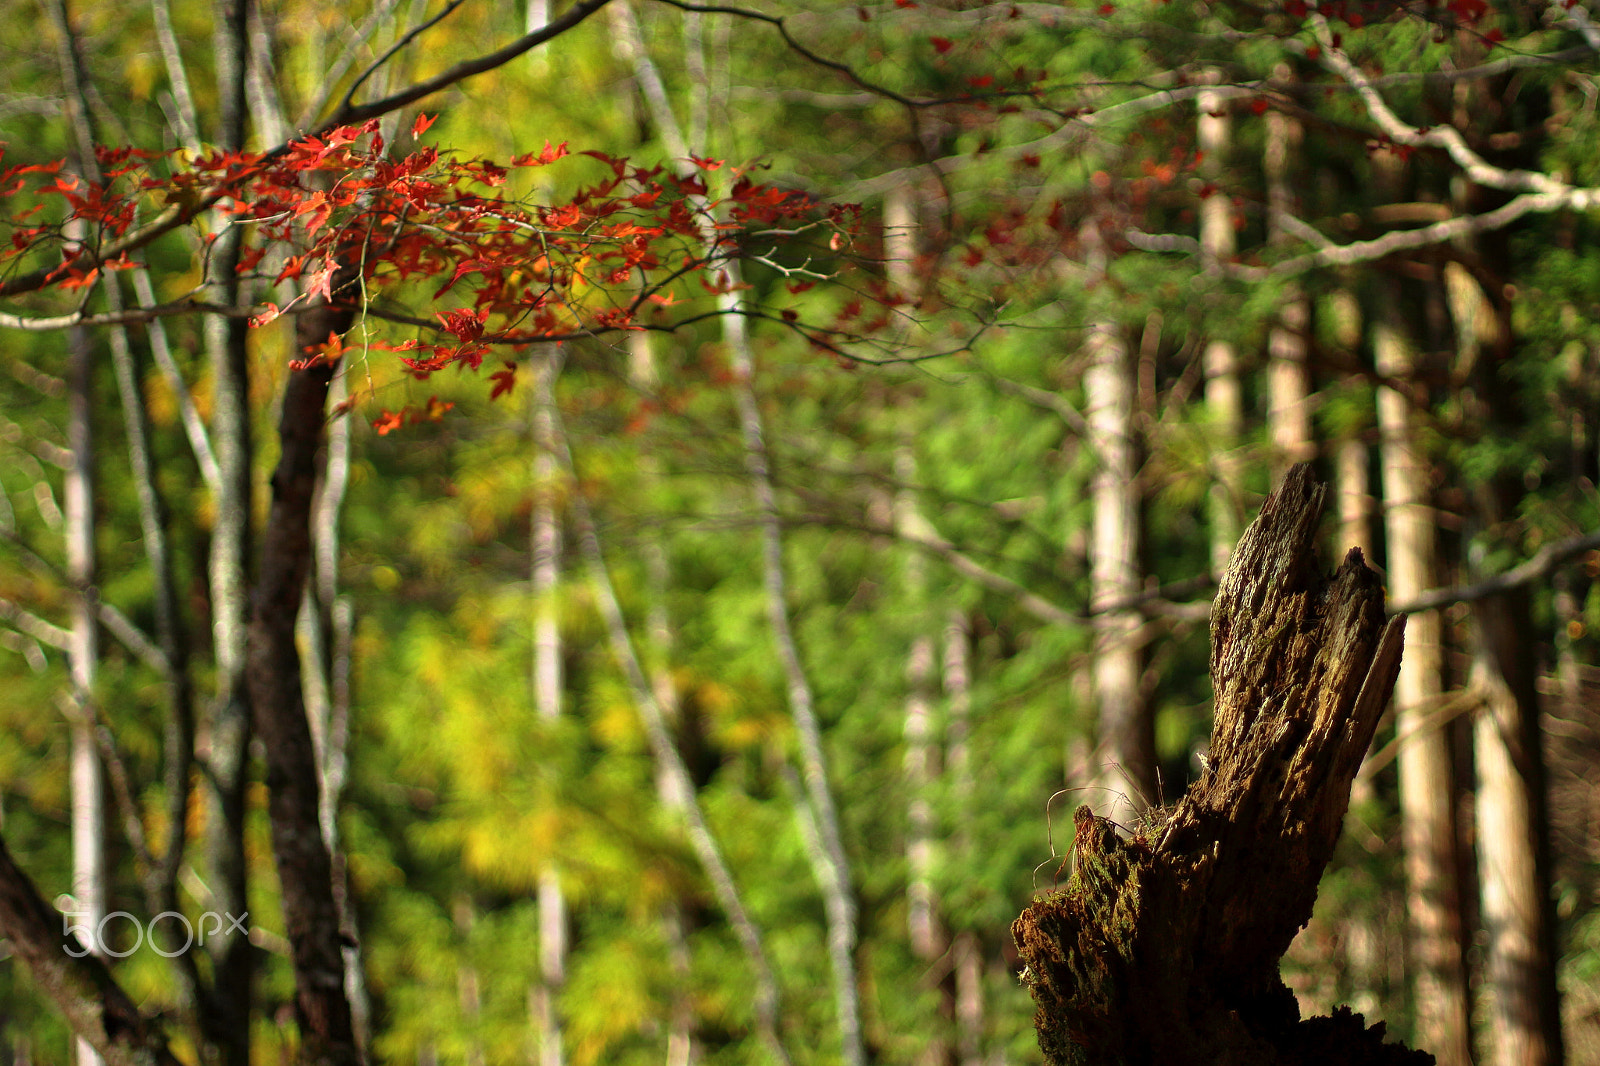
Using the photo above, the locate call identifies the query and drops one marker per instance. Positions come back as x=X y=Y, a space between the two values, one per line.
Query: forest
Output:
x=597 y=532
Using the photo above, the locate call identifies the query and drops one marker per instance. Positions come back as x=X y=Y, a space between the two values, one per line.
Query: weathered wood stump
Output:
x=1164 y=947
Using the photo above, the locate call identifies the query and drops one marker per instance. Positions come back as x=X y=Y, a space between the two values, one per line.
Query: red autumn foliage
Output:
x=329 y=206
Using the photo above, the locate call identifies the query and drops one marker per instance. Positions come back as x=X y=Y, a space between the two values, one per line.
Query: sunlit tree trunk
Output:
x=88 y=788
x=546 y=552
x=966 y=949
x=1352 y=458
x=1288 y=380
x=227 y=730
x=1512 y=817
x=1124 y=761
x=681 y=1047
x=1513 y=859
x=1426 y=774
x=1356 y=509
x=88 y=906
x=1224 y=399
x=920 y=765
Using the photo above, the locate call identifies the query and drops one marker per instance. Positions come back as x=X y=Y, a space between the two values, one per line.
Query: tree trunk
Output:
x=1513 y=858
x=310 y=913
x=326 y=628
x=924 y=928
x=966 y=949
x=1513 y=831
x=1164 y=946
x=1427 y=807
x=1224 y=397
x=545 y=550
x=88 y=783
x=1124 y=761
x=226 y=1017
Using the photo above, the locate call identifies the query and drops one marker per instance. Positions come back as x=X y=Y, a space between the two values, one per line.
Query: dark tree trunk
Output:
x=1164 y=946
x=311 y=915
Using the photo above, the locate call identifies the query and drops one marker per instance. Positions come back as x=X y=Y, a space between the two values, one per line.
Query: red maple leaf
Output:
x=320 y=282
x=504 y=381
x=463 y=322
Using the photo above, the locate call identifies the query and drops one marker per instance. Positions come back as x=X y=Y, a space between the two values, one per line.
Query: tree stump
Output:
x=1164 y=945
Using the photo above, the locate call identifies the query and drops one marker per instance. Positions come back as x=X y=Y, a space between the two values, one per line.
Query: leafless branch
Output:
x=39 y=629
x=132 y=637
x=1444 y=136
x=177 y=76
x=405 y=39
x=117 y=623
x=1545 y=562
x=351 y=114
x=194 y=427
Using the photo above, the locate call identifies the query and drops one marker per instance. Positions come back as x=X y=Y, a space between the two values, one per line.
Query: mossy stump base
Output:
x=1164 y=948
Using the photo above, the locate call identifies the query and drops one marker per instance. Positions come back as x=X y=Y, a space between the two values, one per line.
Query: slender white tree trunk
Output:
x=669 y=762
x=88 y=787
x=1224 y=398
x=681 y=1047
x=1124 y=761
x=547 y=683
x=920 y=766
x=966 y=949
x=819 y=821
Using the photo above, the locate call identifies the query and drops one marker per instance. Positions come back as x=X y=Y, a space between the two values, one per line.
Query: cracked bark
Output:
x=1164 y=946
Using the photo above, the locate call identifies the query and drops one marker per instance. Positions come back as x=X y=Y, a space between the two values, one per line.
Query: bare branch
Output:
x=1545 y=562
x=405 y=39
x=39 y=629
x=188 y=127
x=1444 y=136
x=351 y=114
x=117 y=623
x=132 y=637
x=346 y=59
x=194 y=427
x=1426 y=236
